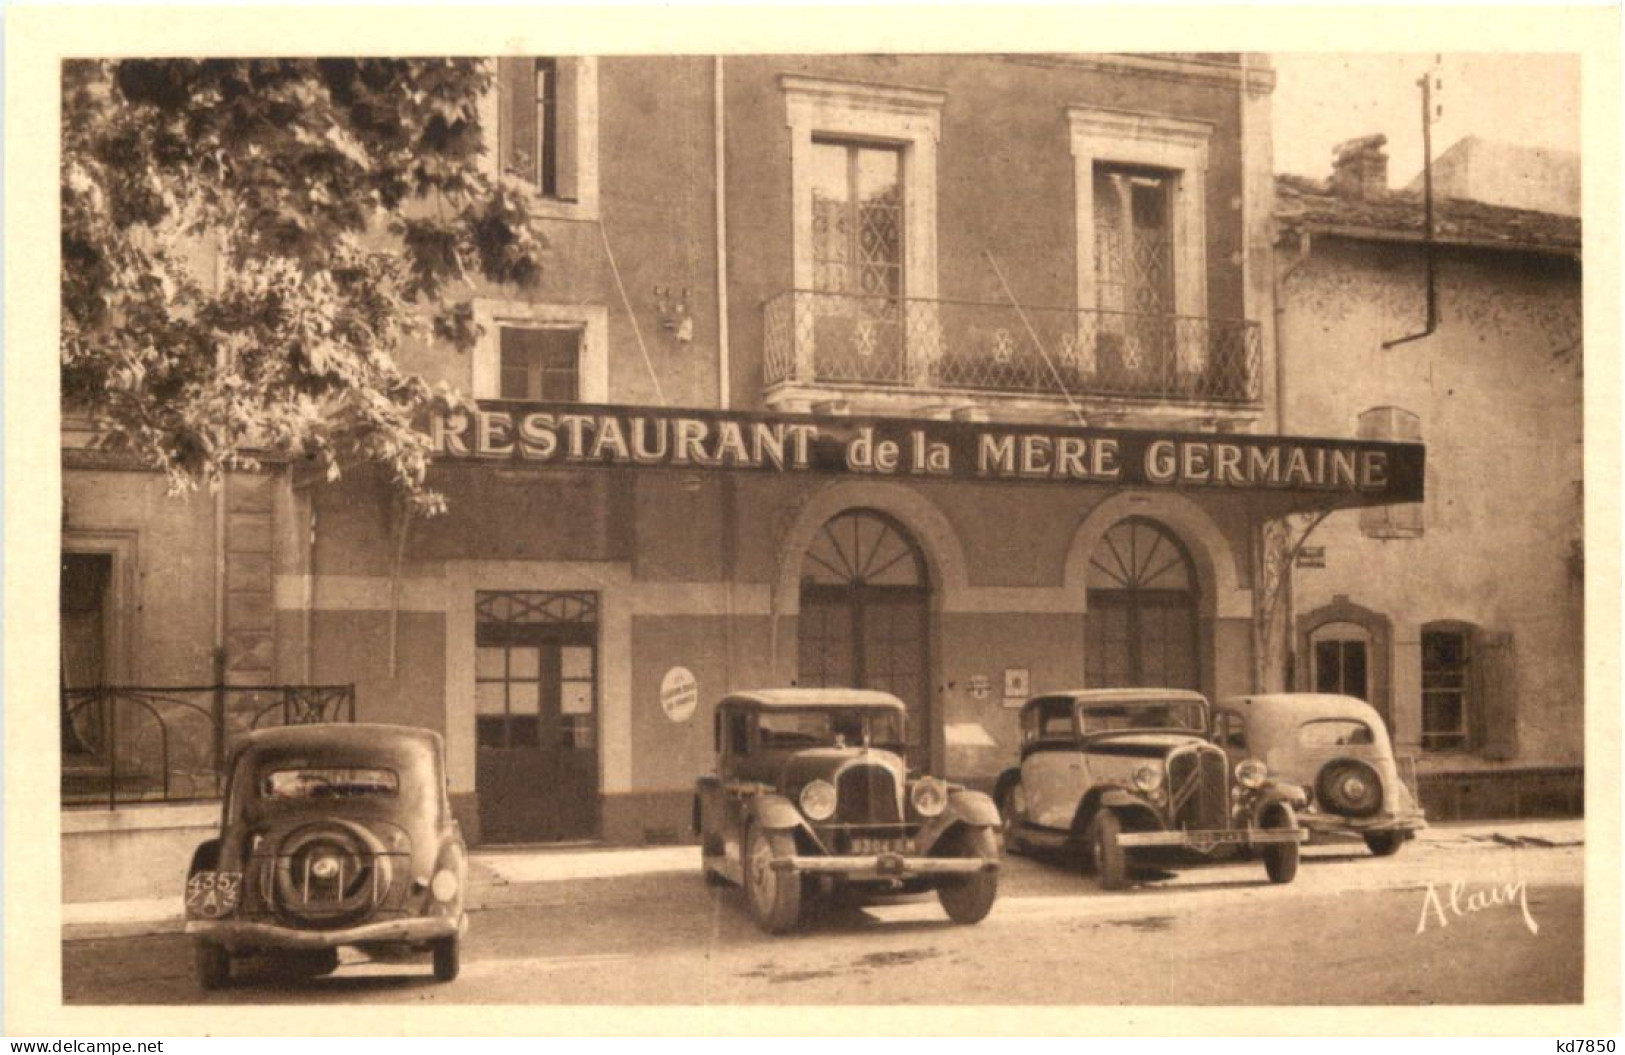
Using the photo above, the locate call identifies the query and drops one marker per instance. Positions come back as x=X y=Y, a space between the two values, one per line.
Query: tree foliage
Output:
x=349 y=211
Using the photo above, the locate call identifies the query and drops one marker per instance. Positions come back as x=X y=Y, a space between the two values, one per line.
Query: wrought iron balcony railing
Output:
x=843 y=339
x=123 y=744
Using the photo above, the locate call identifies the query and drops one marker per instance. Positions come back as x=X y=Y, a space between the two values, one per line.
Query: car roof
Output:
x=1303 y=706
x=1122 y=695
x=338 y=737
x=791 y=698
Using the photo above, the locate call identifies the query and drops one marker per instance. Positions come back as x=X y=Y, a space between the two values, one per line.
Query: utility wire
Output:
x=627 y=303
x=1020 y=311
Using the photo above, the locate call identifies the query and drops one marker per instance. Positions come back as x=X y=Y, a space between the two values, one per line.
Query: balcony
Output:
x=823 y=345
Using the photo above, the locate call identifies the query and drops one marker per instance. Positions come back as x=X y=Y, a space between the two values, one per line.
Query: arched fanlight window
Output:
x=1139 y=554
x=862 y=548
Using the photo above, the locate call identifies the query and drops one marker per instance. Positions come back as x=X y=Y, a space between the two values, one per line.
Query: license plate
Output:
x=864 y=845
x=210 y=895
x=1205 y=841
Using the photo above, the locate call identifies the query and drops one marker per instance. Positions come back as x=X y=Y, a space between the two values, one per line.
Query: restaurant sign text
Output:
x=579 y=435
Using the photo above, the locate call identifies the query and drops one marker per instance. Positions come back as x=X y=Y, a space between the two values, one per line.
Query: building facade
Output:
x=950 y=376
x=1461 y=618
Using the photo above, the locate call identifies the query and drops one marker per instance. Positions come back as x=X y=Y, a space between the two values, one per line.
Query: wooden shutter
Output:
x=565 y=132
x=516 y=98
x=1496 y=695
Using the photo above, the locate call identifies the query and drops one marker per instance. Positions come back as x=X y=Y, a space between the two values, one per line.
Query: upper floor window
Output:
x=858 y=218
x=545 y=111
x=541 y=353
x=540 y=364
x=863 y=164
x=1141 y=186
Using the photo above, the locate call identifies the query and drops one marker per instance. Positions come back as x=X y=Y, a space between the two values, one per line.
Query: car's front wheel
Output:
x=213 y=966
x=1280 y=859
x=1384 y=844
x=448 y=958
x=775 y=896
x=1110 y=859
x=969 y=898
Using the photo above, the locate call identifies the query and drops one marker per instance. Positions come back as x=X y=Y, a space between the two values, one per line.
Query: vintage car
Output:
x=331 y=835
x=811 y=793
x=1337 y=749
x=1114 y=770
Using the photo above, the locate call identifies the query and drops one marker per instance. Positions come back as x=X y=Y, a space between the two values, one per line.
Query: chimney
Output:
x=1360 y=168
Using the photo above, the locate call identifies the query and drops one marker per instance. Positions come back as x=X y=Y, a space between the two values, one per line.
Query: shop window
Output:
x=546 y=120
x=1446 y=688
x=1339 y=659
x=540 y=365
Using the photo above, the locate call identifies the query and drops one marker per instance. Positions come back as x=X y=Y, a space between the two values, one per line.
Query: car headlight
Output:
x=818 y=800
x=444 y=885
x=930 y=796
x=1148 y=778
x=1251 y=774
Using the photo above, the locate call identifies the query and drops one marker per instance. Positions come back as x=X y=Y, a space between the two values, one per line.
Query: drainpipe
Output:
x=724 y=361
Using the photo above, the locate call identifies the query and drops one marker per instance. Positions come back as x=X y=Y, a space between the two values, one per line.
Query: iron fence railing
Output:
x=128 y=744
x=814 y=338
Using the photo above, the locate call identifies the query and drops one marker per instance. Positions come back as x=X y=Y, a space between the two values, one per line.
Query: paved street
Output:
x=1345 y=932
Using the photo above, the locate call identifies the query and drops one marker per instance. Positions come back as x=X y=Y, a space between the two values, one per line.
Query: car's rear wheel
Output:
x=1280 y=859
x=969 y=898
x=775 y=896
x=448 y=958
x=1384 y=844
x=1109 y=857
x=213 y=966
x=1012 y=811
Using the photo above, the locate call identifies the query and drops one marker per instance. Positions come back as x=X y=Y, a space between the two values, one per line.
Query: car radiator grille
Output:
x=867 y=794
x=1198 y=782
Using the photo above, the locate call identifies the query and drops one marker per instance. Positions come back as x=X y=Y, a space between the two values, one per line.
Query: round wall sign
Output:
x=679 y=694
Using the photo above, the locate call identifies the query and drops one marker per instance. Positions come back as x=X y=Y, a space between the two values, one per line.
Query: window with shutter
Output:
x=546 y=122
x=1451 y=687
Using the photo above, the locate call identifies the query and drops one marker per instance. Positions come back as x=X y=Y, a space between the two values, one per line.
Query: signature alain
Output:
x=1461 y=903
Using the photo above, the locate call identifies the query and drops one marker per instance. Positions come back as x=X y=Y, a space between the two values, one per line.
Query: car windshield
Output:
x=831 y=727
x=1184 y=716
x=327 y=783
x=1335 y=732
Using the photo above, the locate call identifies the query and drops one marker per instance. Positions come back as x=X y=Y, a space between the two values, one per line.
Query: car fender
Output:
x=1275 y=798
x=205 y=858
x=1116 y=797
x=1281 y=791
x=1008 y=779
x=972 y=809
x=774 y=812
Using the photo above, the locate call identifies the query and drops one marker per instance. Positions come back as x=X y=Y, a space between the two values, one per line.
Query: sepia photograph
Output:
x=837 y=526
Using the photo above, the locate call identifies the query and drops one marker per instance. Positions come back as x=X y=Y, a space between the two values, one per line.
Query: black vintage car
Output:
x=331 y=835
x=1115 y=770
x=811 y=793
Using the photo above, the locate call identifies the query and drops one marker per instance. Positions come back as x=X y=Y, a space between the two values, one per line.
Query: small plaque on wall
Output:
x=1018 y=684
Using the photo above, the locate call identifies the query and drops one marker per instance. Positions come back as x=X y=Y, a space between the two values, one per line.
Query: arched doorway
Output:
x=1142 y=622
x=865 y=616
